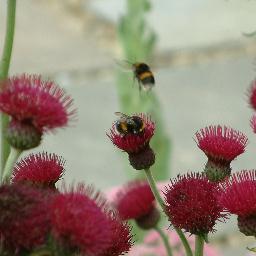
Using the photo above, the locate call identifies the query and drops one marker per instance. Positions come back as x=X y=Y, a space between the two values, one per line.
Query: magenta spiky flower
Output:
x=135 y=143
x=221 y=145
x=24 y=221
x=239 y=197
x=40 y=169
x=78 y=221
x=253 y=123
x=29 y=99
x=121 y=237
x=136 y=201
x=192 y=203
x=36 y=106
x=252 y=94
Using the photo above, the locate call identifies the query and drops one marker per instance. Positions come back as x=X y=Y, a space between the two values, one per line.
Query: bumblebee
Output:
x=142 y=73
x=129 y=124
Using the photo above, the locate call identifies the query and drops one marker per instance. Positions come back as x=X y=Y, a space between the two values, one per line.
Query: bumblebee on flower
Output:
x=132 y=134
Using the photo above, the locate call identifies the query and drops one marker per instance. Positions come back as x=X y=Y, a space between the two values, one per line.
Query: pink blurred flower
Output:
x=153 y=245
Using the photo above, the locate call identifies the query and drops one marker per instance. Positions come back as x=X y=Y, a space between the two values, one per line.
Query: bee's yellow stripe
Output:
x=124 y=127
x=145 y=75
x=142 y=127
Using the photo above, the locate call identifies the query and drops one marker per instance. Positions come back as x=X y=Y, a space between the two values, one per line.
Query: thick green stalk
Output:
x=137 y=41
x=11 y=160
x=165 y=240
x=160 y=201
x=4 y=69
x=199 y=247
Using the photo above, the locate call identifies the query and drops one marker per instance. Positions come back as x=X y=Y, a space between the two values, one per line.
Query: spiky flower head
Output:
x=141 y=156
x=239 y=197
x=192 y=203
x=41 y=169
x=121 y=237
x=24 y=218
x=136 y=201
x=253 y=123
x=32 y=102
x=79 y=221
x=252 y=94
x=221 y=145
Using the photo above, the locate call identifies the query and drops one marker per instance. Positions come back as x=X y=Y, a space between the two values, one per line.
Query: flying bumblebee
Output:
x=142 y=73
x=129 y=124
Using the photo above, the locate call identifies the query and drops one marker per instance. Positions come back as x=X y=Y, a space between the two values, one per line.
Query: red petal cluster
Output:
x=252 y=95
x=253 y=123
x=121 y=237
x=29 y=99
x=134 y=200
x=41 y=168
x=192 y=203
x=221 y=143
x=79 y=221
x=132 y=143
x=239 y=193
x=24 y=218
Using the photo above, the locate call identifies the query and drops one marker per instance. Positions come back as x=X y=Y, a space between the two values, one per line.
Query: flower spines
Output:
x=221 y=145
x=192 y=203
x=134 y=200
x=219 y=142
x=239 y=197
x=253 y=123
x=252 y=94
x=42 y=169
x=24 y=221
x=122 y=239
x=45 y=105
x=80 y=222
x=239 y=193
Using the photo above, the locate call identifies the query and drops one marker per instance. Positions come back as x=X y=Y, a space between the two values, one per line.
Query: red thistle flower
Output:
x=239 y=197
x=121 y=237
x=40 y=169
x=36 y=106
x=252 y=95
x=24 y=218
x=136 y=144
x=79 y=222
x=221 y=145
x=253 y=123
x=136 y=201
x=192 y=203
x=29 y=99
x=239 y=193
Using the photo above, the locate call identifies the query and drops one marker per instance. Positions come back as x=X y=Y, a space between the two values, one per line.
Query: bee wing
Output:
x=124 y=65
x=147 y=87
x=121 y=115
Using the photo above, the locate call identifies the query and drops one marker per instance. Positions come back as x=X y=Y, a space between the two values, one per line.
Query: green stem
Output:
x=154 y=189
x=165 y=240
x=184 y=242
x=159 y=199
x=199 y=247
x=12 y=158
x=4 y=69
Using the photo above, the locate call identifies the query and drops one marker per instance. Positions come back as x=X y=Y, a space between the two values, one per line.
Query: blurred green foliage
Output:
x=138 y=41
